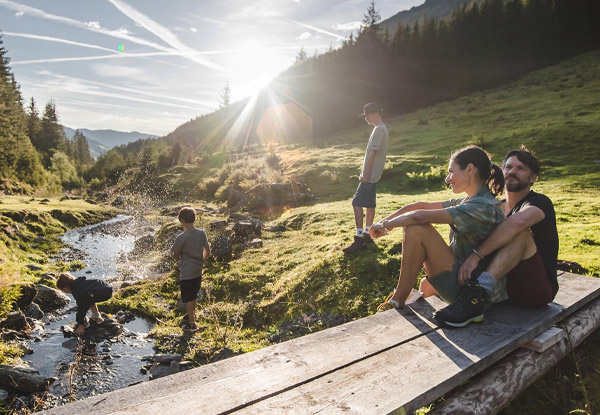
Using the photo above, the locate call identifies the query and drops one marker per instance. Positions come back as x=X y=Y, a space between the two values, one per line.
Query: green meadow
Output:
x=300 y=281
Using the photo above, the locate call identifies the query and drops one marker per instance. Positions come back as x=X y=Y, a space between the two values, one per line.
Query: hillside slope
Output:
x=431 y=9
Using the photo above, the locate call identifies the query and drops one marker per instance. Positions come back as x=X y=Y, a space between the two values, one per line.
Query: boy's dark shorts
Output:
x=189 y=289
x=365 y=195
x=101 y=295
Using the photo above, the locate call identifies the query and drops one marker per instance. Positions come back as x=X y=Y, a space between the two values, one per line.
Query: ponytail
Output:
x=489 y=173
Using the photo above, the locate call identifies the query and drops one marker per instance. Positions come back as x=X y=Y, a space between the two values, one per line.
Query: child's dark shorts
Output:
x=189 y=289
x=101 y=294
x=365 y=195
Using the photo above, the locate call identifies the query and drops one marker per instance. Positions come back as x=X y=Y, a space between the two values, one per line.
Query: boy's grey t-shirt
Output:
x=378 y=141
x=190 y=246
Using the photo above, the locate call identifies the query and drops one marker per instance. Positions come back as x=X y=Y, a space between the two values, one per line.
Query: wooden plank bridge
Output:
x=390 y=362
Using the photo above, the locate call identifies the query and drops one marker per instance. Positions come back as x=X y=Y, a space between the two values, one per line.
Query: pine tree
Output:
x=301 y=56
x=369 y=28
x=18 y=159
x=33 y=123
x=51 y=133
x=225 y=96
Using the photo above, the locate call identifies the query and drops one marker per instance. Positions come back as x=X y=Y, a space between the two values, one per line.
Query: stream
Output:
x=114 y=363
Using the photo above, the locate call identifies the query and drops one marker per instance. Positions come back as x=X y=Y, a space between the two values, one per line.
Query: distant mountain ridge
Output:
x=100 y=141
x=433 y=9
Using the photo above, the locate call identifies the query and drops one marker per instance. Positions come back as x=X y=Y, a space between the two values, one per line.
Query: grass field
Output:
x=300 y=281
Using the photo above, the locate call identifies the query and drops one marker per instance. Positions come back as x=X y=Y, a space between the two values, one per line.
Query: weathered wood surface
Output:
x=490 y=391
x=378 y=364
x=546 y=340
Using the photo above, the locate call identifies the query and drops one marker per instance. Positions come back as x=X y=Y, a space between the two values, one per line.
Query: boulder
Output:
x=34 y=311
x=34 y=267
x=276 y=195
x=15 y=321
x=247 y=230
x=217 y=224
x=3 y=396
x=28 y=293
x=22 y=379
x=159 y=370
x=236 y=217
x=234 y=198
x=255 y=243
x=50 y=299
x=276 y=228
x=166 y=357
x=144 y=243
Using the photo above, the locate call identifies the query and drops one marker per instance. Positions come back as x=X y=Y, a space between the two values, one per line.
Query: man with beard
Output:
x=525 y=249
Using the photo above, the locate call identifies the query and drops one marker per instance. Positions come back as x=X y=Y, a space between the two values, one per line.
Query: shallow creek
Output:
x=114 y=363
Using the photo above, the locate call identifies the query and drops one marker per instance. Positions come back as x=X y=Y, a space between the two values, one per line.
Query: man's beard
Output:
x=516 y=185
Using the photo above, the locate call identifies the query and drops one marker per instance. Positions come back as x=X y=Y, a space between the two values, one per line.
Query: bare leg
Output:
x=94 y=309
x=370 y=216
x=190 y=309
x=358 y=216
x=507 y=257
x=422 y=245
x=426 y=288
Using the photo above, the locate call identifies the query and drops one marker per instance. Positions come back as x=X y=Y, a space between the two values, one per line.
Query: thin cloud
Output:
x=162 y=32
x=126 y=89
x=304 y=36
x=95 y=27
x=86 y=90
x=346 y=27
x=316 y=29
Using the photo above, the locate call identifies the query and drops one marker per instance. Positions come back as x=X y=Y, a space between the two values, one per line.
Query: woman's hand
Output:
x=377 y=230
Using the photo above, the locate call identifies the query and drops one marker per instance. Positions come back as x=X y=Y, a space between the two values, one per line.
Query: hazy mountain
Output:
x=100 y=141
x=433 y=9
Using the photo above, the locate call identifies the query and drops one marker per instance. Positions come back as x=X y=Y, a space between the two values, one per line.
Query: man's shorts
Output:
x=365 y=195
x=527 y=284
x=189 y=289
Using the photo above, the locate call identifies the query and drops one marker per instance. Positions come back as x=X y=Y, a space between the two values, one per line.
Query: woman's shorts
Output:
x=189 y=289
x=365 y=195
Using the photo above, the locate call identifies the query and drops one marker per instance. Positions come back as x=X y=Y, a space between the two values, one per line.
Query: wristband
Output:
x=478 y=254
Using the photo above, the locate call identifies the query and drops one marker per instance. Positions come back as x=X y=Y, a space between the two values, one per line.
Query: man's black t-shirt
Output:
x=544 y=232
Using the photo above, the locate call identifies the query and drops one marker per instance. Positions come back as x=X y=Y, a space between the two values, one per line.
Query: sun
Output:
x=252 y=66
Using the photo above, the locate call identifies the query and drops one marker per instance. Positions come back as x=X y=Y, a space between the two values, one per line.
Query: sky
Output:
x=150 y=66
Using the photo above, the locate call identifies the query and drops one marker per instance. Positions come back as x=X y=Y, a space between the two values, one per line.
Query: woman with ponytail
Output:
x=471 y=219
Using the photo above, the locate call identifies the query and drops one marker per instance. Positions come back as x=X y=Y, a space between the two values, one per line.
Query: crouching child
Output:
x=191 y=248
x=86 y=294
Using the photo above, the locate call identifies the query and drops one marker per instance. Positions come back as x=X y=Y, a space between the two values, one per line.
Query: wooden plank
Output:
x=274 y=373
x=413 y=374
x=252 y=376
x=505 y=328
x=489 y=392
x=545 y=340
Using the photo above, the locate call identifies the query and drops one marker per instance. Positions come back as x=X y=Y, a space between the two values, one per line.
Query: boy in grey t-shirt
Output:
x=192 y=248
x=372 y=169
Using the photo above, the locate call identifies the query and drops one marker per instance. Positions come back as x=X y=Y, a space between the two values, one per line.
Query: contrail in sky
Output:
x=316 y=29
x=98 y=29
x=161 y=32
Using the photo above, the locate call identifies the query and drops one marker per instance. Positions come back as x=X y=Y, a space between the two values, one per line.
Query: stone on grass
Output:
x=22 y=379
x=50 y=299
x=28 y=293
x=15 y=321
x=34 y=311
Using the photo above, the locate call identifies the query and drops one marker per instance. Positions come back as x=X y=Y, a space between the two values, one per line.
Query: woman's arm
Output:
x=415 y=206
x=414 y=217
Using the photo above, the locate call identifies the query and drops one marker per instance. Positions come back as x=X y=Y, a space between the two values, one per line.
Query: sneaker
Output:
x=367 y=238
x=357 y=245
x=467 y=308
x=190 y=328
x=86 y=323
x=97 y=318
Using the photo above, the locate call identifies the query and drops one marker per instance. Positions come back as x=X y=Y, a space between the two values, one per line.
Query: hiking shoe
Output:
x=357 y=245
x=190 y=328
x=467 y=308
x=97 y=318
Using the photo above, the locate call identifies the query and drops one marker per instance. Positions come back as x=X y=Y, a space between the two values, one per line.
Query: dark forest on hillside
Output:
x=481 y=45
